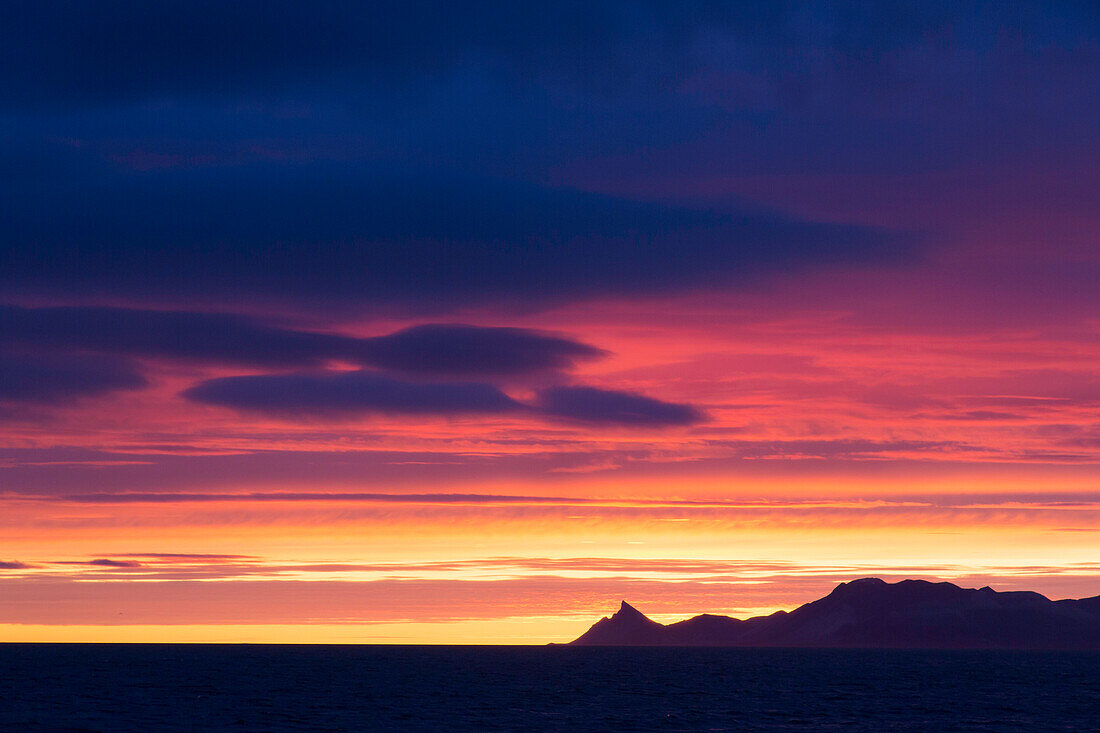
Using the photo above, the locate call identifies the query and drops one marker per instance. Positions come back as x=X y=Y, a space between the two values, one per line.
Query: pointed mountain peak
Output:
x=627 y=626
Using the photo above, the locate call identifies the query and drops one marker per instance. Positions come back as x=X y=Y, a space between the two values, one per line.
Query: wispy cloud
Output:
x=441 y=349
x=508 y=587
x=13 y=565
x=155 y=498
x=349 y=394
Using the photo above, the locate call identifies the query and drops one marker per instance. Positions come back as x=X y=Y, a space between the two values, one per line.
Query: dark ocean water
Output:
x=58 y=687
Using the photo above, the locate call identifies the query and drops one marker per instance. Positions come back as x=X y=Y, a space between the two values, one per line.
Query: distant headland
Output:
x=871 y=613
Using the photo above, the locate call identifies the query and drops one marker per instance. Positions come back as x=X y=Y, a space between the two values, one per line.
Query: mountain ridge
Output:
x=870 y=612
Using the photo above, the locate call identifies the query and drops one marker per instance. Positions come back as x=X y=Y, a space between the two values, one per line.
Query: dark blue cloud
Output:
x=460 y=349
x=51 y=379
x=612 y=407
x=353 y=393
x=437 y=349
x=794 y=84
x=13 y=565
x=354 y=235
x=349 y=394
x=108 y=563
x=126 y=49
x=399 y=154
x=129 y=49
x=209 y=336
x=341 y=154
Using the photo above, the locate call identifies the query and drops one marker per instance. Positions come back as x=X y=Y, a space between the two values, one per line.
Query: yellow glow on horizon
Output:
x=528 y=631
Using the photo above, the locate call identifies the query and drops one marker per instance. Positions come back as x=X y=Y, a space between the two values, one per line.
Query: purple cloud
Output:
x=108 y=563
x=438 y=349
x=347 y=394
x=462 y=349
x=13 y=565
x=612 y=407
x=168 y=498
x=49 y=379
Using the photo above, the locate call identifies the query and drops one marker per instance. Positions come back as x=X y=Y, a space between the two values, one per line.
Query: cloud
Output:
x=342 y=157
x=347 y=394
x=119 y=50
x=108 y=563
x=123 y=50
x=845 y=449
x=612 y=407
x=353 y=235
x=210 y=336
x=434 y=348
x=101 y=562
x=180 y=556
x=461 y=349
x=170 y=498
x=355 y=466
x=440 y=465
x=51 y=379
x=248 y=599
x=13 y=565
x=1087 y=501
x=799 y=86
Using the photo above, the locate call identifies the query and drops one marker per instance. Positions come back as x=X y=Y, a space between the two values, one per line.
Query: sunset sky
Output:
x=433 y=322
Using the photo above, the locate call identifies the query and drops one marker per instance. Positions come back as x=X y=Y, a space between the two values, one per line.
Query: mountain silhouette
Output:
x=627 y=627
x=873 y=613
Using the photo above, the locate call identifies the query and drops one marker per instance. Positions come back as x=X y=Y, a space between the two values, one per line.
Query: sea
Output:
x=148 y=688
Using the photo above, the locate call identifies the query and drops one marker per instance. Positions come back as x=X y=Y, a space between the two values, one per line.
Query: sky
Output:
x=422 y=322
